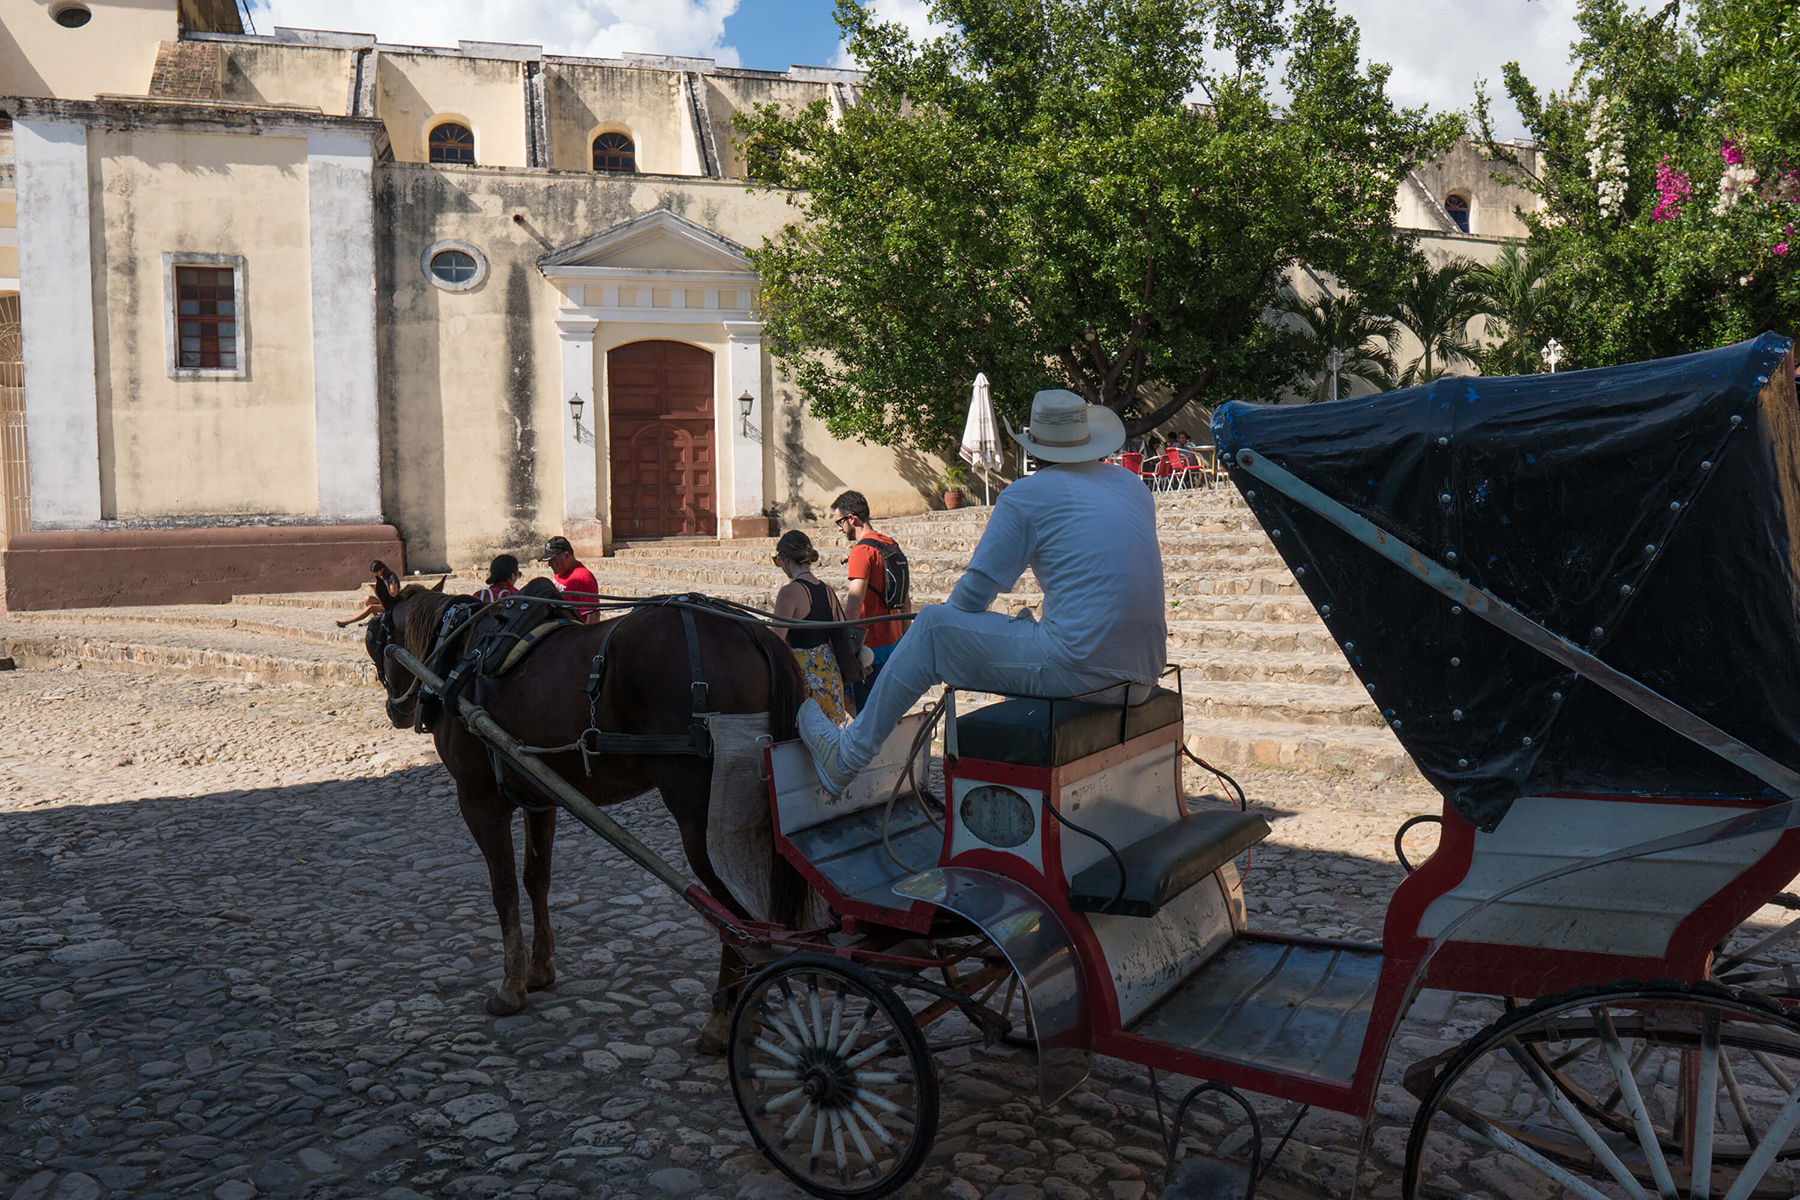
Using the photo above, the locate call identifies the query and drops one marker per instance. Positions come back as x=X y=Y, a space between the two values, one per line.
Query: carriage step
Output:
x=1165 y=864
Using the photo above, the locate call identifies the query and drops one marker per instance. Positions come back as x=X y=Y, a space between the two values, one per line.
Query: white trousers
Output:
x=984 y=652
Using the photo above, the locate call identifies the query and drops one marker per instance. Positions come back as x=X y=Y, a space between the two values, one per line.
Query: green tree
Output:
x=1034 y=196
x=1668 y=177
x=1515 y=293
x=1366 y=339
x=1435 y=305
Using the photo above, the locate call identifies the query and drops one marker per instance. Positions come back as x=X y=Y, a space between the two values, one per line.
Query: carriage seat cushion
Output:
x=1160 y=867
x=1051 y=733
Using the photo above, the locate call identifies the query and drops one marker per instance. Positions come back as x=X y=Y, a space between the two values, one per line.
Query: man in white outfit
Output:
x=1087 y=529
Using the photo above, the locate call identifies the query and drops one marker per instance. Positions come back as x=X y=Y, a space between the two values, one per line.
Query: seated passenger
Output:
x=1088 y=532
x=502 y=579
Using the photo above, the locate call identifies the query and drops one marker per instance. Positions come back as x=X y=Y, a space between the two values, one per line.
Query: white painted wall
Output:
x=341 y=208
x=744 y=374
x=581 y=495
x=56 y=296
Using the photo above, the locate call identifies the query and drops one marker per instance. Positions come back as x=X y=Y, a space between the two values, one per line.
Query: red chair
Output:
x=1178 y=468
x=1133 y=461
x=1162 y=475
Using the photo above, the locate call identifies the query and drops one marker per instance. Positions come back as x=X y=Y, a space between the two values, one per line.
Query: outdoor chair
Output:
x=1179 y=472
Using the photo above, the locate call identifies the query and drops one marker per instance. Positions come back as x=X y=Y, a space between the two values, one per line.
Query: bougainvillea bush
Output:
x=1669 y=177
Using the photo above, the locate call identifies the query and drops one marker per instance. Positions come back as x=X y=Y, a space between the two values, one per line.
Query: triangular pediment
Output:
x=656 y=241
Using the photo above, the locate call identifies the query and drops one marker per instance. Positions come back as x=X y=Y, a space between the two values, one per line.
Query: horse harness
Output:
x=524 y=625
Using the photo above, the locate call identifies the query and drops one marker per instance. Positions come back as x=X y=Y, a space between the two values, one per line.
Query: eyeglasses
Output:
x=839 y=521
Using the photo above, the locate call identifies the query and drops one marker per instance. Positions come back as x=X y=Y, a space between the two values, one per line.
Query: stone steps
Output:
x=1263 y=681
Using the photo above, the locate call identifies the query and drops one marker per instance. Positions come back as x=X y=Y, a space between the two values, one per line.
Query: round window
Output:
x=72 y=16
x=453 y=266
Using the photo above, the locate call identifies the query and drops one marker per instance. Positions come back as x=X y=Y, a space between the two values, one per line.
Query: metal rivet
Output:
x=1449 y=556
x=1737 y=420
x=1456 y=714
x=1396 y=722
x=1598 y=631
x=1463 y=763
x=1349 y=647
x=1443 y=441
x=1244 y=455
x=1324 y=610
x=1706 y=464
x=1446 y=498
x=1250 y=495
x=1456 y=610
x=1527 y=741
x=1455 y=662
x=1674 y=506
x=1274 y=533
x=1650 y=548
x=1556 y=696
x=1371 y=689
x=1624 y=589
x=1298 y=571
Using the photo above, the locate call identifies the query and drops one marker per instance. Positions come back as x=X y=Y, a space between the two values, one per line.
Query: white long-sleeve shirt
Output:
x=1088 y=532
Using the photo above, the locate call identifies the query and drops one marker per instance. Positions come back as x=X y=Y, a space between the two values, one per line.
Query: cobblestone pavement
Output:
x=245 y=940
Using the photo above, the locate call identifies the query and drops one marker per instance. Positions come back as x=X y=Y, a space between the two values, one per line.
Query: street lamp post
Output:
x=1553 y=353
x=1335 y=360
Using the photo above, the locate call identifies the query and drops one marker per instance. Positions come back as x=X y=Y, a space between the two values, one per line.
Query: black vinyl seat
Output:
x=1050 y=733
x=1165 y=864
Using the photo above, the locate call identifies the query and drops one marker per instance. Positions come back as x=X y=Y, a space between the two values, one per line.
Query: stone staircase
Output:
x=1263 y=681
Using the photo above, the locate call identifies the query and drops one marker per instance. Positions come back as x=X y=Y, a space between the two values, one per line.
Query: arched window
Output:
x=1457 y=205
x=452 y=143
x=614 y=152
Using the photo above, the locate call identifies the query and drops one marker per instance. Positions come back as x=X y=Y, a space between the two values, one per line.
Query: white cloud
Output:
x=1439 y=48
x=915 y=15
x=603 y=28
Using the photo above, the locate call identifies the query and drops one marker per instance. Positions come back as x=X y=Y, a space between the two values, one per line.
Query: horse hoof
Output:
x=715 y=1035
x=539 y=978
x=505 y=1004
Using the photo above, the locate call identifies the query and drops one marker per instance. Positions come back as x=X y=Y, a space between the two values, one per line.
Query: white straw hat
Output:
x=1065 y=428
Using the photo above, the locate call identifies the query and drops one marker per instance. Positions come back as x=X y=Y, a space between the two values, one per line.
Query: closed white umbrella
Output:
x=981 y=436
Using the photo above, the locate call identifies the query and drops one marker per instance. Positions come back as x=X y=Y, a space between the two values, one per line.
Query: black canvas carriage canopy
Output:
x=1647 y=513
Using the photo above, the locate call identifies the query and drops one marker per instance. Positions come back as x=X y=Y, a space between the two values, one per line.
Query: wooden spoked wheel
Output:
x=982 y=973
x=1764 y=961
x=833 y=1077
x=1620 y=1091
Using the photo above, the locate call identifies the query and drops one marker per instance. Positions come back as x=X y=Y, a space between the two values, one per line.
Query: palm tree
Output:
x=1435 y=305
x=1515 y=292
x=1365 y=338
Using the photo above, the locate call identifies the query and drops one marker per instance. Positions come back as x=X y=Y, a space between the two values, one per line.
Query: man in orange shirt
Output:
x=871 y=565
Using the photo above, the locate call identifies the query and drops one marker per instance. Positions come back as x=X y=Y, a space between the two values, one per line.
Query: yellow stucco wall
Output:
x=731 y=94
x=645 y=105
x=316 y=76
x=114 y=52
x=175 y=447
x=472 y=405
x=415 y=91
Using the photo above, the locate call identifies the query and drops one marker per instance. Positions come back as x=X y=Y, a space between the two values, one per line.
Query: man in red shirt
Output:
x=571 y=576
x=865 y=595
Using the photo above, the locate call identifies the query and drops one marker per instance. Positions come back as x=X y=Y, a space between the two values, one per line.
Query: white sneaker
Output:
x=820 y=734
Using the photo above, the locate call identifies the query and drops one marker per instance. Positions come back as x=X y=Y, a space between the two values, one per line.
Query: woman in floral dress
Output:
x=806 y=598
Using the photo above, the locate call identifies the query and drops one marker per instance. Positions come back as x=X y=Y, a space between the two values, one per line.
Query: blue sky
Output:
x=776 y=34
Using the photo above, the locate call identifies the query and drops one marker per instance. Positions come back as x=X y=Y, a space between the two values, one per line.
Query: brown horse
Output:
x=646 y=689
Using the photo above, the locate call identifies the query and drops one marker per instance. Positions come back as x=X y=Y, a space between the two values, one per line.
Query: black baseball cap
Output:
x=556 y=546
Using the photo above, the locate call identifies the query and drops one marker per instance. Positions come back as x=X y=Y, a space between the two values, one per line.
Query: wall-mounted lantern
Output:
x=575 y=403
x=746 y=404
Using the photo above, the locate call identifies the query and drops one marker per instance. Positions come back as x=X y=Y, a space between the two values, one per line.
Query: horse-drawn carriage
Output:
x=1576 y=600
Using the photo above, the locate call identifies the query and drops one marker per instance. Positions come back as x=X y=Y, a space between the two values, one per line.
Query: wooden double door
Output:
x=660 y=418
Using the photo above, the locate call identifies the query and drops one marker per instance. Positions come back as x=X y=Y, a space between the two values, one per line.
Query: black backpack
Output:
x=896 y=580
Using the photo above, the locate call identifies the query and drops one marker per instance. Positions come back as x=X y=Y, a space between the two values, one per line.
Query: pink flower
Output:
x=1781 y=248
x=1728 y=150
x=1672 y=190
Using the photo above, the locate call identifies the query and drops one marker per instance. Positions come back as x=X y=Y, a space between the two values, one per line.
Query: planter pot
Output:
x=953 y=499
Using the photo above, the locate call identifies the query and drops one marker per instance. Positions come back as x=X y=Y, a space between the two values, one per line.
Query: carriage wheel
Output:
x=1623 y=1090
x=1764 y=961
x=832 y=1077
x=982 y=972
